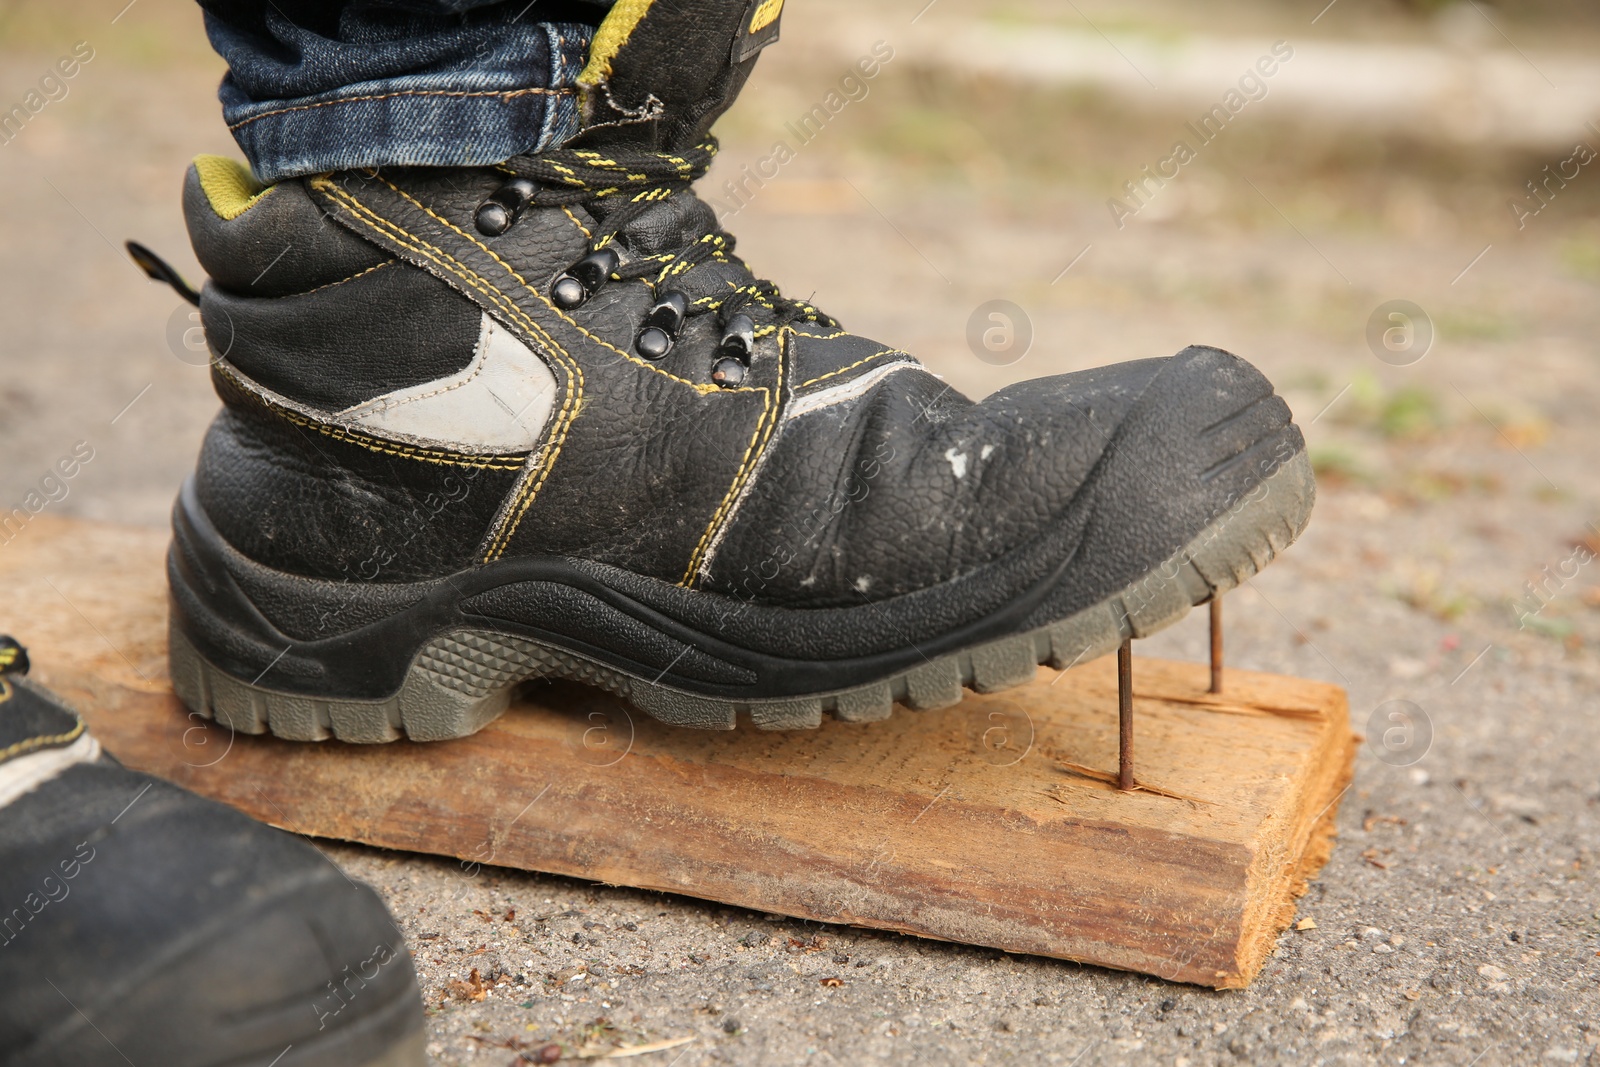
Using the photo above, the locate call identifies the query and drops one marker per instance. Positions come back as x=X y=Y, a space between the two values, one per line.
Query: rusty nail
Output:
x=1216 y=643
x=1125 y=715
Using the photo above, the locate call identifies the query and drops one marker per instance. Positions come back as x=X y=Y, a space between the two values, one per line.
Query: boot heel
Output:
x=427 y=708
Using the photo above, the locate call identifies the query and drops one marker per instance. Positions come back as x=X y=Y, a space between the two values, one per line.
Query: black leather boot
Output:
x=146 y=925
x=485 y=425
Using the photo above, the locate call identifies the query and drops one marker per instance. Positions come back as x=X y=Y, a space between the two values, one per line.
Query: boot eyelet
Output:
x=738 y=339
x=500 y=211
x=653 y=343
x=728 y=372
x=579 y=282
x=740 y=333
x=661 y=326
x=568 y=292
x=732 y=360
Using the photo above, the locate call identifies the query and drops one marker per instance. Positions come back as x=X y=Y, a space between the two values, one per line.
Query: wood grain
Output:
x=994 y=823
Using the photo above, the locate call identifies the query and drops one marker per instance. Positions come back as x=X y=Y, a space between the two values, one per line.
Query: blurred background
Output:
x=1392 y=208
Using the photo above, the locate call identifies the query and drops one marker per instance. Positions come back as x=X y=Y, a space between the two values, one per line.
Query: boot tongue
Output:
x=661 y=72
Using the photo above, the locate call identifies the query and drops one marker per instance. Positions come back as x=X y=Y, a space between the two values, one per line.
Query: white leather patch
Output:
x=24 y=774
x=850 y=390
x=498 y=404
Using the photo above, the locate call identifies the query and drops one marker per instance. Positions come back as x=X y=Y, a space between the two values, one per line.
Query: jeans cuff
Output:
x=459 y=119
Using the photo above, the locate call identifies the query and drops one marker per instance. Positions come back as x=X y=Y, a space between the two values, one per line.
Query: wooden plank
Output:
x=993 y=823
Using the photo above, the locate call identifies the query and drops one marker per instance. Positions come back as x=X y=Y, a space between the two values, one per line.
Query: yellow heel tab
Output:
x=229 y=186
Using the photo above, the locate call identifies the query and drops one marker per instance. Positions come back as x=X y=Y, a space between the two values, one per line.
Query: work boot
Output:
x=483 y=425
x=147 y=925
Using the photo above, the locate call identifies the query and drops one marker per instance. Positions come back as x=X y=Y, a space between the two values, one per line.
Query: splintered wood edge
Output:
x=1281 y=876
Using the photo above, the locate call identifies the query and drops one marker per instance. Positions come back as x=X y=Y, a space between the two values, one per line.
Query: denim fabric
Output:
x=319 y=86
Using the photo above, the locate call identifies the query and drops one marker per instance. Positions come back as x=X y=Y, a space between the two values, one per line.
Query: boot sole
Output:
x=461 y=680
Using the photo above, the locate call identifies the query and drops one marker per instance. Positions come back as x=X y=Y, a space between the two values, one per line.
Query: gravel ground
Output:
x=1459 y=919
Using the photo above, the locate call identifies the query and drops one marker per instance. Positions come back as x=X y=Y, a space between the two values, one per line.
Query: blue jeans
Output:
x=320 y=85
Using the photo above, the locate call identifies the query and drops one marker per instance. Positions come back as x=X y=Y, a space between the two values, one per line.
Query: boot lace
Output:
x=619 y=186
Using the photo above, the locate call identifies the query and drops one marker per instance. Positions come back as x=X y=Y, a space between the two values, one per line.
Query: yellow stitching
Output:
x=341 y=281
x=587 y=233
x=372 y=444
x=422 y=455
x=558 y=435
x=527 y=501
x=42 y=742
x=602 y=342
x=770 y=403
x=758 y=438
x=546 y=458
x=853 y=366
x=504 y=94
x=571 y=405
x=438 y=255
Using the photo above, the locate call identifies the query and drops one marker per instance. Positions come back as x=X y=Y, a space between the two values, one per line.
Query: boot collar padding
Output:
x=229 y=186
